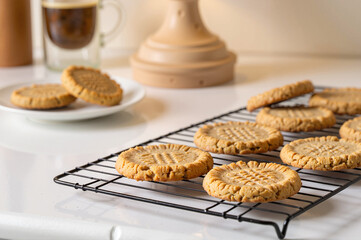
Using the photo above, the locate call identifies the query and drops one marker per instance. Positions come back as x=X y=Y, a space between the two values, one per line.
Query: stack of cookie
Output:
x=291 y=119
x=87 y=84
x=253 y=181
x=243 y=182
x=324 y=153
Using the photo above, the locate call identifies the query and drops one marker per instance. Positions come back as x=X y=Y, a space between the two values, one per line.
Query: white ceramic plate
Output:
x=79 y=110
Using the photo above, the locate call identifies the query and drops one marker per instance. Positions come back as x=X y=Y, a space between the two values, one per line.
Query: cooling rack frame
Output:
x=317 y=186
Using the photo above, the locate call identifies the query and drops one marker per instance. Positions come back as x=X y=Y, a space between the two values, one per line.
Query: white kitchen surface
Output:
x=33 y=152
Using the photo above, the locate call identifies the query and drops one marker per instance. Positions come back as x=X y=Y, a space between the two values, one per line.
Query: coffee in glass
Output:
x=71 y=35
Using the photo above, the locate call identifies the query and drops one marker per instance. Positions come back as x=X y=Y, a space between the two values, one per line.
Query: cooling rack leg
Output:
x=280 y=235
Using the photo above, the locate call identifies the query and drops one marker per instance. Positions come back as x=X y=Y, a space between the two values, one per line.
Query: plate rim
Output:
x=69 y=116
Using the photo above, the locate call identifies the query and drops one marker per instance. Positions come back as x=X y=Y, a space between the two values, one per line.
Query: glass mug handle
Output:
x=108 y=36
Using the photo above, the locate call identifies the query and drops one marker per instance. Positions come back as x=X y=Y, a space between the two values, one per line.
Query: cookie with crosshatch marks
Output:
x=280 y=94
x=296 y=119
x=91 y=85
x=338 y=100
x=252 y=182
x=322 y=153
x=237 y=138
x=42 y=96
x=351 y=129
x=165 y=162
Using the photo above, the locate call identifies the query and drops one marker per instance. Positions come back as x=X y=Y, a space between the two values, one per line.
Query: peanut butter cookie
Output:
x=322 y=153
x=169 y=162
x=338 y=100
x=42 y=96
x=91 y=85
x=351 y=129
x=237 y=138
x=296 y=119
x=279 y=94
x=252 y=182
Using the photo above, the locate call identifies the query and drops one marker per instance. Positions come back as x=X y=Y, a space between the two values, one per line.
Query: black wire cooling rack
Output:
x=317 y=186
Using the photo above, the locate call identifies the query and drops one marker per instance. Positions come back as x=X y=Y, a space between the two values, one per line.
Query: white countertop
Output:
x=32 y=153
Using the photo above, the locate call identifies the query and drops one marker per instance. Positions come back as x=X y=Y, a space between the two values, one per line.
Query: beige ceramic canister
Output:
x=15 y=33
x=183 y=53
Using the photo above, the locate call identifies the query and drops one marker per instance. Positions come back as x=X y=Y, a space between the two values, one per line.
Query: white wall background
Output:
x=317 y=27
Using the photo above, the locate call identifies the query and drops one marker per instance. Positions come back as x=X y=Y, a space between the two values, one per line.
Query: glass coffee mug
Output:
x=71 y=33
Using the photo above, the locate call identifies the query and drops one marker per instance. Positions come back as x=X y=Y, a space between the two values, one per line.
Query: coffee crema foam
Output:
x=69 y=4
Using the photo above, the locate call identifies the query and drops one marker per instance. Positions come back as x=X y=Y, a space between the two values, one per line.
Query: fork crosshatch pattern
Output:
x=100 y=176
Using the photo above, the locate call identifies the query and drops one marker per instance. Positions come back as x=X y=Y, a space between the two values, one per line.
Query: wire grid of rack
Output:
x=100 y=177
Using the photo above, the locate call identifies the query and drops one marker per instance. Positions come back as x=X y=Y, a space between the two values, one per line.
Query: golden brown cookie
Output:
x=338 y=100
x=42 y=96
x=280 y=94
x=252 y=182
x=168 y=162
x=91 y=85
x=296 y=119
x=237 y=138
x=351 y=129
x=322 y=153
